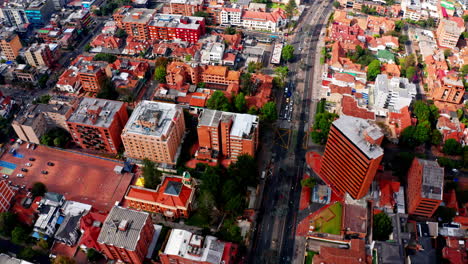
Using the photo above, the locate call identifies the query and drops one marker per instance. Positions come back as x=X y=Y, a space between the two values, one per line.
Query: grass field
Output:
x=333 y=225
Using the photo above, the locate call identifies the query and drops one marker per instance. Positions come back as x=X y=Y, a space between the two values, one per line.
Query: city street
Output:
x=274 y=240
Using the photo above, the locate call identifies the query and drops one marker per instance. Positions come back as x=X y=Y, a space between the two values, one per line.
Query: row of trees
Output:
x=425 y=131
x=57 y=137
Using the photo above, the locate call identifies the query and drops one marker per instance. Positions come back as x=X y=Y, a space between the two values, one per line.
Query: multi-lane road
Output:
x=274 y=239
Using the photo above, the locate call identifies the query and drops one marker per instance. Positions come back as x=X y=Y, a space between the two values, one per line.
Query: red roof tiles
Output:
x=350 y=107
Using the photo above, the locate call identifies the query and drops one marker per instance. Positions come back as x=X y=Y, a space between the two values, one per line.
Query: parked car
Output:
x=19 y=175
x=32 y=159
x=34 y=146
x=44 y=172
x=50 y=163
x=24 y=169
x=28 y=164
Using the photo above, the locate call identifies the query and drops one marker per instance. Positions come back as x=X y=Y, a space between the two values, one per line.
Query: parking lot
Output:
x=78 y=176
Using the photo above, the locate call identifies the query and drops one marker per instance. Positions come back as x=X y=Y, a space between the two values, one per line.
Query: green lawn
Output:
x=333 y=226
x=275 y=5
x=309 y=257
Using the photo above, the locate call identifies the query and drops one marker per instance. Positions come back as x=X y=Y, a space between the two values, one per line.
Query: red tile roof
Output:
x=350 y=107
x=91 y=225
x=198 y=99
x=387 y=189
x=356 y=254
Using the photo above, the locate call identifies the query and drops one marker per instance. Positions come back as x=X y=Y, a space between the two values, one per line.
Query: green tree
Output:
x=230 y=31
x=235 y=205
x=399 y=24
x=290 y=8
x=382 y=227
x=321 y=126
x=373 y=70
x=151 y=175
x=108 y=90
x=282 y=73
x=87 y=47
x=402 y=162
x=422 y=133
x=230 y=231
x=287 y=53
x=436 y=137
x=407 y=137
x=218 y=101
x=445 y=214
x=464 y=70
x=160 y=74
x=309 y=182
x=410 y=73
x=452 y=147
x=43 y=99
x=161 y=61
x=19 y=235
x=63 y=260
x=110 y=58
x=421 y=110
x=201 y=85
x=240 y=104
x=447 y=53
x=245 y=170
x=201 y=14
x=7 y=223
x=28 y=253
x=211 y=180
x=465 y=17
x=42 y=243
x=254 y=66
x=188 y=57
x=93 y=255
x=336 y=4
x=38 y=189
x=253 y=110
x=247 y=84
x=120 y=33
x=268 y=112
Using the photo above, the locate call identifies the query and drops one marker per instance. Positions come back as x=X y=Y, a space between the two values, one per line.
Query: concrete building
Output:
x=48 y=214
x=39 y=55
x=34 y=122
x=185 y=7
x=392 y=94
x=171 y=27
x=411 y=9
x=172 y=198
x=154 y=131
x=184 y=247
x=352 y=155
x=226 y=134
x=39 y=12
x=10 y=45
x=14 y=13
x=231 y=16
x=425 y=187
x=135 y=21
x=91 y=74
x=212 y=54
x=448 y=32
x=96 y=124
x=126 y=235
x=6 y=195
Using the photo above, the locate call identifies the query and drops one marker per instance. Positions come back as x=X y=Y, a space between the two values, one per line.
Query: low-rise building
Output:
x=264 y=21
x=392 y=94
x=48 y=215
x=185 y=7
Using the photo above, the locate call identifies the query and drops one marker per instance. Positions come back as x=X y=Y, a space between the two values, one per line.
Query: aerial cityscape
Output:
x=234 y=132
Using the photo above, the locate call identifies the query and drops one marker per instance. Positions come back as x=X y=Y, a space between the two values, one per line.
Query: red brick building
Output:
x=352 y=155
x=172 y=198
x=425 y=187
x=185 y=7
x=134 y=21
x=96 y=124
x=6 y=195
x=126 y=235
x=90 y=73
x=170 y=27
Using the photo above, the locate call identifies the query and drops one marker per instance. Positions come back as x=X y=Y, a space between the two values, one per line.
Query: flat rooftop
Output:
x=432 y=179
x=173 y=21
x=78 y=176
x=95 y=112
x=27 y=117
x=139 y=15
x=243 y=124
x=152 y=118
x=354 y=129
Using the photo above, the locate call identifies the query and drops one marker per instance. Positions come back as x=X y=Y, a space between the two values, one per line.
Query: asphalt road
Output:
x=274 y=240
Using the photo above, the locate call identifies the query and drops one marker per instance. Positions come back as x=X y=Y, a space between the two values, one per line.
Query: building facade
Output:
x=448 y=32
x=172 y=198
x=96 y=124
x=126 y=235
x=10 y=45
x=6 y=195
x=39 y=12
x=425 y=187
x=39 y=55
x=185 y=7
x=171 y=27
x=154 y=131
x=91 y=74
x=231 y=16
x=352 y=155
x=14 y=14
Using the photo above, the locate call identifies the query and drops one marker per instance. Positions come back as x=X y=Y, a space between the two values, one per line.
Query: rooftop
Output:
x=95 y=112
x=349 y=125
x=139 y=15
x=176 y=21
x=152 y=118
x=243 y=124
x=122 y=228
x=27 y=117
x=432 y=179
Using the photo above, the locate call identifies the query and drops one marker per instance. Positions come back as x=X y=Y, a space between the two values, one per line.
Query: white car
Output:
x=19 y=175
x=28 y=164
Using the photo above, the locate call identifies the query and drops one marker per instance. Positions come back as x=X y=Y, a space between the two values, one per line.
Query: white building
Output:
x=48 y=214
x=14 y=14
x=392 y=94
x=213 y=53
x=263 y=21
x=411 y=9
x=231 y=16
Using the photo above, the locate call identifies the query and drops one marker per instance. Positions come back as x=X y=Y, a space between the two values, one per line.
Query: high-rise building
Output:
x=14 y=13
x=135 y=21
x=6 y=195
x=39 y=55
x=126 y=235
x=425 y=187
x=34 y=122
x=227 y=134
x=96 y=124
x=172 y=198
x=90 y=73
x=39 y=12
x=448 y=32
x=154 y=131
x=184 y=247
x=352 y=155
x=185 y=7
x=170 y=27
x=10 y=45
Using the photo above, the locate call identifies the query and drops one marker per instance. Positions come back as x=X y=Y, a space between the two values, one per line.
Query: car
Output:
x=28 y=146
x=24 y=169
x=44 y=172
x=19 y=175
x=286 y=90
x=28 y=164
x=34 y=146
x=288 y=99
x=50 y=163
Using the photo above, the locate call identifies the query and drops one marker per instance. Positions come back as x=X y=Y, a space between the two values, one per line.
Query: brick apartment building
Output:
x=34 y=122
x=135 y=21
x=96 y=124
x=170 y=27
x=448 y=32
x=179 y=73
x=6 y=195
x=226 y=134
x=425 y=187
x=184 y=247
x=154 y=131
x=126 y=235
x=352 y=155
x=10 y=45
x=451 y=89
x=185 y=7
x=172 y=198
x=39 y=55
x=90 y=74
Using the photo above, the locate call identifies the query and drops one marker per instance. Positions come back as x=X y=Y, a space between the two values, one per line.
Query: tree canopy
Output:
x=19 y=235
x=361 y=56
x=120 y=33
x=57 y=137
x=160 y=74
x=38 y=189
x=287 y=53
x=452 y=147
x=373 y=70
x=425 y=111
x=268 y=112
x=64 y=260
x=110 y=58
x=240 y=104
x=290 y=8
x=445 y=214
x=254 y=66
x=151 y=175
x=321 y=126
x=93 y=255
x=382 y=227
x=7 y=223
x=247 y=84
x=218 y=101
x=282 y=73
x=230 y=31
x=107 y=89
